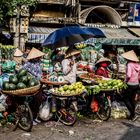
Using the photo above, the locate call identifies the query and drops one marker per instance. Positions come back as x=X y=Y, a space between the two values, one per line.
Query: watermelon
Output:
x=13 y=79
x=21 y=73
x=5 y=86
x=24 y=79
x=33 y=82
x=21 y=86
x=12 y=86
x=29 y=76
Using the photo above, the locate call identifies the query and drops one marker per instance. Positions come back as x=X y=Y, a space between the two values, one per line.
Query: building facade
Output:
x=50 y=15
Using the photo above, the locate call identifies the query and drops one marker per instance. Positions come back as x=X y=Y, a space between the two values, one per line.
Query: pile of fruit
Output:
x=91 y=76
x=113 y=84
x=20 y=81
x=80 y=46
x=7 y=51
x=73 y=89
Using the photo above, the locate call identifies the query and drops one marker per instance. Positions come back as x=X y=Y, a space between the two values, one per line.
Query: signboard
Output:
x=134 y=14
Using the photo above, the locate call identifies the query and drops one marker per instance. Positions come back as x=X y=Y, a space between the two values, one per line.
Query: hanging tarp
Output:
x=38 y=34
x=115 y=37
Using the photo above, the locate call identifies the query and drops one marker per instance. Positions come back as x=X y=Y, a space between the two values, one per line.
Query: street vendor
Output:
x=69 y=66
x=132 y=80
x=102 y=65
x=33 y=65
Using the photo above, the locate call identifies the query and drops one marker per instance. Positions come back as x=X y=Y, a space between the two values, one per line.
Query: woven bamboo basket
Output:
x=23 y=92
x=107 y=90
x=65 y=95
x=45 y=81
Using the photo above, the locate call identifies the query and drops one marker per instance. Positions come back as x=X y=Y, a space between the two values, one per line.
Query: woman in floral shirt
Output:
x=33 y=65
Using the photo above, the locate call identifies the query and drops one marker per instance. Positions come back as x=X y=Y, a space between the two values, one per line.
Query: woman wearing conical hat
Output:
x=33 y=64
x=102 y=65
x=132 y=80
x=33 y=67
x=69 y=66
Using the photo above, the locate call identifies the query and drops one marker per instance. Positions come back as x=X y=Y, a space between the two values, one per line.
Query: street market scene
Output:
x=70 y=69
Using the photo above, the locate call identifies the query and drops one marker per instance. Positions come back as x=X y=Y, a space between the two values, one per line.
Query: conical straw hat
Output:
x=130 y=55
x=18 y=52
x=103 y=59
x=74 y=52
x=34 y=53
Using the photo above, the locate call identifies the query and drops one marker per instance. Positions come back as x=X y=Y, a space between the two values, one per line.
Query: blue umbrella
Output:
x=68 y=36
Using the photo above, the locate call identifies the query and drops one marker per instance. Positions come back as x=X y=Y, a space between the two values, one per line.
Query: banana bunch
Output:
x=8 y=47
x=80 y=46
x=7 y=51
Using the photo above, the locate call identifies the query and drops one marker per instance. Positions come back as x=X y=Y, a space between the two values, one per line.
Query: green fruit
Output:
x=29 y=76
x=13 y=79
x=12 y=86
x=21 y=73
x=21 y=86
x=33 y=82
x=24 y=79
x=5 y=86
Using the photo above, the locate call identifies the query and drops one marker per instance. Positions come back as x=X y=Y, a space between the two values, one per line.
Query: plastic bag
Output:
x=44 y=111
x=118 y=110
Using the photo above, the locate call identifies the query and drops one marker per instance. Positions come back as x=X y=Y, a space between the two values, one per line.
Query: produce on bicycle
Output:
x=101 y=70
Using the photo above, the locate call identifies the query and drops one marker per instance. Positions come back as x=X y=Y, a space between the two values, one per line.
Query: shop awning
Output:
x=113 y=33
x=135 y=31
x=115 y=36
x=39 y=34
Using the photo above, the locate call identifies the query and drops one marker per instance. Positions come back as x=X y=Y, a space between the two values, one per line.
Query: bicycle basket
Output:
x=22 y=92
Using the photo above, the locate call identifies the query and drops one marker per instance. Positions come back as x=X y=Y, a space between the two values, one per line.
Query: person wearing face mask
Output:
x=69 y=67
x=102 y=67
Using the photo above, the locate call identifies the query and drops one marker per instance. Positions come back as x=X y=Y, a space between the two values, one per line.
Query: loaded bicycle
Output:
x=100 y=103
x=23 y=117
x=63 y=105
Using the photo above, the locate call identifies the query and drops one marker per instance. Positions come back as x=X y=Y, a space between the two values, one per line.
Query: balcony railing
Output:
x=53 y=1
x=59 y=20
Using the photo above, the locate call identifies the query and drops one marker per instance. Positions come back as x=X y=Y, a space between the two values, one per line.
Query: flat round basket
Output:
x=45 y=81
x=65 y=95
x=84 y=77
x=23 y=92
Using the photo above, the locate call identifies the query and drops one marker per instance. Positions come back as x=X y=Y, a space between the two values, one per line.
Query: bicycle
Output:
x=19 y=106
x=64 y=109
x=100 y=103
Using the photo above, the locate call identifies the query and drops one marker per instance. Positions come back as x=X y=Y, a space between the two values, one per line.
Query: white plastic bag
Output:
x=44 y=111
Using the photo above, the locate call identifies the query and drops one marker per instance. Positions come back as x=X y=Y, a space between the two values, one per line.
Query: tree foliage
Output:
x=7 y=7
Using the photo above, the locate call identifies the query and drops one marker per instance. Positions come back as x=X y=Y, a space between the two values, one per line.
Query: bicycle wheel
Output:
x=26 y=117
x=67 y=116
x=104 y=110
